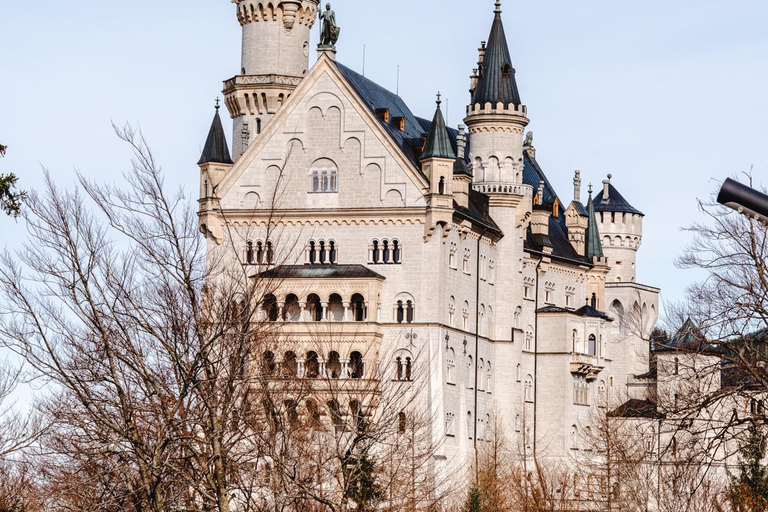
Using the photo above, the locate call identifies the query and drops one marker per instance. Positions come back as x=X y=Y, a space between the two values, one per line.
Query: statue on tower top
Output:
x=329 y=33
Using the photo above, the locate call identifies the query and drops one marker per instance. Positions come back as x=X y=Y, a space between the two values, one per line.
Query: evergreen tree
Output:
x=10 y=200
x=365 y=490
x=749 y=491
x=474 y=501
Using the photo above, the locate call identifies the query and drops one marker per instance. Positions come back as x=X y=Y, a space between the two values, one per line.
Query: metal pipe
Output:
x=744 y=200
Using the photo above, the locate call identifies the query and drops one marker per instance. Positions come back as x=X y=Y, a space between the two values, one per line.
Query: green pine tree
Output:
x=474 y=501
x=749 y=490
x=365 y=489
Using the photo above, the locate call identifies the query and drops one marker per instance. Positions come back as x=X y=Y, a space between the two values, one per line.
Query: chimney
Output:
x=577 y=187
x=540 y=194
x=461 y=142
x=607 y=188
x=481 y=50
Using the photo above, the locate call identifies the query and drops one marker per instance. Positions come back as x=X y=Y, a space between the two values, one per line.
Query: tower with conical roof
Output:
x=437 y=162
x=214 y=163
x=275 y=57
x=496 y=119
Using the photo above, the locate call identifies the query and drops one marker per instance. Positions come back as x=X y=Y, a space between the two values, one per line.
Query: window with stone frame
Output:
x=322 y=252
x=580 y=391
x=528 y=389
x=465 y=261
x=324 y=181
x=452 y=312
x=450 y=364
x=450 y=424
x=385 y=251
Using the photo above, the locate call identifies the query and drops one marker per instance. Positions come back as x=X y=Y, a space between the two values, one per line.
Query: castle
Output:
x=424 y=242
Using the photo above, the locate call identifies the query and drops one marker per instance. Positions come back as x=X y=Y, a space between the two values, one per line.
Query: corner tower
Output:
x=621 y=228
x=275 y=57
x=496 y=119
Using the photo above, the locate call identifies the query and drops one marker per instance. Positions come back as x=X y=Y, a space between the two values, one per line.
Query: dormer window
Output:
x=506 y=71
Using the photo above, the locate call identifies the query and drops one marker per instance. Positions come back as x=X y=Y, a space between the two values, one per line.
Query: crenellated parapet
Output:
x=289 y=12
x=488 y=118
x=257 y=95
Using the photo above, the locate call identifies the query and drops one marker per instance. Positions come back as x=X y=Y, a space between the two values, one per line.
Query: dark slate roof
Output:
x=320 y=272
x=614 y=203
x=581 y=209
x=594 y=247
x=586 y=311
x=558 y=232
x=497 y=76
x=689 y=338
x=477 y=212
x=215 y=149
x=412 y=138
x=438 y=143
x=635 y=408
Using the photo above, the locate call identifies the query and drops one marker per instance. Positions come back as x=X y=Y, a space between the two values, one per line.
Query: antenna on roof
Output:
x=363 y=60
x=398 y=80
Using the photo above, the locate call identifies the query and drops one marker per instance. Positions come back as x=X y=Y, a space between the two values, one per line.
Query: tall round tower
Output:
x=275 y=57
x=621 y=228
x=496 y=119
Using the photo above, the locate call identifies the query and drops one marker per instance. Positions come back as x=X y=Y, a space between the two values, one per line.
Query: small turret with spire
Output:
x=215 y=162
x=437 y=162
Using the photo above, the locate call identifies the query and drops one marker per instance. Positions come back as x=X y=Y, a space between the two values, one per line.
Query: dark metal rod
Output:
x=744 y=200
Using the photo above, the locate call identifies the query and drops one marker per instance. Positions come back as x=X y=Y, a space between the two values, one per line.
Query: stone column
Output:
x=346 y=311
x=345 y=368
x=280 y=311
x=365 y=311
x=303 y=312
x=300 y=368
x=322 y=375
x=325 y=311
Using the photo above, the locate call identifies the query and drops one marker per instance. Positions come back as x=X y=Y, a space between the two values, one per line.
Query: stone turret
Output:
x=496 y=119
x=621 y=228
x=215 y=162
x=275 y=57
x=437 y=164
x=594 y=253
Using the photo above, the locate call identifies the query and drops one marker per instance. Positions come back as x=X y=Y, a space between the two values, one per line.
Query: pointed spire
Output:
x=594 y=248
x=216 y=149
x=438 y=144
x=497 y=76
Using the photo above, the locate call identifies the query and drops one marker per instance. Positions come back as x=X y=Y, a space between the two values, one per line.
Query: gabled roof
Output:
x=614 y=203
x=412 y=138
x=594 y=247
x=688 y=337
x=320 y=272
x=215 y=149
x=497 y=76
x=438 y=144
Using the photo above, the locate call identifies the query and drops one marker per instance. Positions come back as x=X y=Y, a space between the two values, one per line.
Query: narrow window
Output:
x=592 y=345
x=259 y=252
x=399 y=367
x=357 y=366
x=332 y=253
x=315 y=181
x=395 y=251
x=409 y=308
x=401 y=423
x=441 y=186
x=249 y=252
x=325 y=181
x=400 y=312
x=677 y=366
x=258 y=126
x=408 y=368
x=375 y=251
x=386 y=251
x=312 y=253
x=322 y=252
x=334 y=184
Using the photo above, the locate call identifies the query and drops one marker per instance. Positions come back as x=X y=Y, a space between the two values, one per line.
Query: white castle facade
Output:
x=425 y=244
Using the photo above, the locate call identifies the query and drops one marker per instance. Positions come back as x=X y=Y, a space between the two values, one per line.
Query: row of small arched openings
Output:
x=312 y=415
x=315 y=309
x=313 y=366
x=484 y=374
x=259 y=252
x=260 y=12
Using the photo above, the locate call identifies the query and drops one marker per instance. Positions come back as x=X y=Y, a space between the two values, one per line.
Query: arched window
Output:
x=409 y=311
x=332 y=252
x=575 y=341
x=335 y=308
x=452 y=312
x=249 y=252
x=322 y=252
x=259 y=252
x=404 y=365
x=395 y=251
x=315 y=308
x=312 y=253
x=465 y=316
x=591 y=349
x=290 y=367
x=357 y=412
x=358 y=308
x=677 y=366
x=333 y=366
x=574 y=438
x=488 y=377
x=385 y=251
x=270 y=253
x=449 y=424
x=313 y=413
x=519 y=373
x=312 y=366
x=268 y=363
x=468 y=375
x=400 y=312
x=451 y=366
x=528 y=344
x=528 y=390
x=375 y=256
x=470 y=425
x=402 y=420
x=481 y=371
x=315 y=186
x=292 y=415
x=270 y=308
x=404 y=310
x=336 y=417
x=441 y=185
x=292 y=309
x=356 y=365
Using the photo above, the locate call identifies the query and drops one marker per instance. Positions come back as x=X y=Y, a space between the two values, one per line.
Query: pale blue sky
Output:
x=665 y=95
